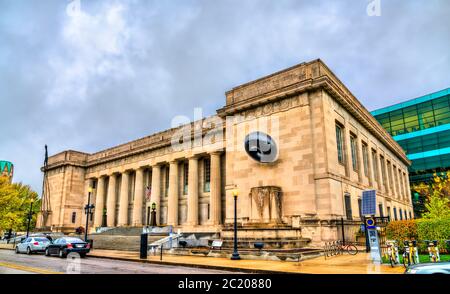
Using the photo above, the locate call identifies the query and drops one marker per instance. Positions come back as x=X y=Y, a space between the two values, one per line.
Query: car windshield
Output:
x=41 y=239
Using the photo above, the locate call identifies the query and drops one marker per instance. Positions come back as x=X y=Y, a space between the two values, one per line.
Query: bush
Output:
x=434 y=229
x=402 y=230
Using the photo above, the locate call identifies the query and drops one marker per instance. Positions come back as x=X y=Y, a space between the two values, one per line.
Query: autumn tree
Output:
x=436 y=196
x=15 y=201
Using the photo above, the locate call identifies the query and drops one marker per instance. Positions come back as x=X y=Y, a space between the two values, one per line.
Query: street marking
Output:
x=28 y=268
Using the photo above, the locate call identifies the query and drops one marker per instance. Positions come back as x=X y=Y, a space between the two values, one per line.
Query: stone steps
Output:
x=117 y=242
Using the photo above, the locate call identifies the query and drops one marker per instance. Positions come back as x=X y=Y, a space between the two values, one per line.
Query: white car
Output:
x=32 y=244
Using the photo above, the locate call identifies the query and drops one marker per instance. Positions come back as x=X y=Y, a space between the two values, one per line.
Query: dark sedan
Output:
x=65 y=245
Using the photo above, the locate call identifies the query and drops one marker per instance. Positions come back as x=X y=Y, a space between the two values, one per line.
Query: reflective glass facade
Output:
x=422 y=127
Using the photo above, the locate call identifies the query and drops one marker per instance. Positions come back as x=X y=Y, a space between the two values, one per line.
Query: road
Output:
x=12 y=263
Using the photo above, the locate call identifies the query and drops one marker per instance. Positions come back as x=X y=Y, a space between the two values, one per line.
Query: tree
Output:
x=15 y=201
x=436 y=197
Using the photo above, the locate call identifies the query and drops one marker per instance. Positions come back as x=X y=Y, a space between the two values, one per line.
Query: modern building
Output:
x=422 y=127
x=296 y=145
x=6 y=169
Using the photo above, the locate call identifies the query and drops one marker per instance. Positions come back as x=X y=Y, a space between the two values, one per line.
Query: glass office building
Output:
x=422 y=127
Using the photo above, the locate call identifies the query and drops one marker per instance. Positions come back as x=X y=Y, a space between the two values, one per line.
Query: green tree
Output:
x=15 y=201
x=437 y=207
x=434 y=197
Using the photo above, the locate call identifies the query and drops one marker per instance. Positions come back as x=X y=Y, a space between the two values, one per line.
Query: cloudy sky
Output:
x=115 y=71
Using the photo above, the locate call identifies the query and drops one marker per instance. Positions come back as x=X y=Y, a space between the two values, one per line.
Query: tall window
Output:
x=360 y=207
x=348 y=207
x=406 y=215
x=389 y=212
x=186 y=177
x=400 y=213
x=353 y=147
x=395 y=213
x=74 y=217
x=380 y=209
x=383 y=172
x=207 y=173
x=375 y=165
x=396 y=181
x=340 y=143
x=410 y=215
x=365 y=152
x=167 y=175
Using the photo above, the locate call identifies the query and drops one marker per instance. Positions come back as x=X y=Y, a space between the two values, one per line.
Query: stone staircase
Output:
x=275 y=237
x=123 y=238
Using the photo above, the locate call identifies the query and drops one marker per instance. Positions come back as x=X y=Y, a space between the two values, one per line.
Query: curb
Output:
x=1 y=248
x=216 y=267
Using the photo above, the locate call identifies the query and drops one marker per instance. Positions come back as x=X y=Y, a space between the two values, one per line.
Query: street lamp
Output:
x=30 y=216
x=235 y=255
x=89 y=210
x=153 y=215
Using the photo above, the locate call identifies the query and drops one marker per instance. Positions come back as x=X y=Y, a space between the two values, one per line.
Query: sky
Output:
x=87 y=75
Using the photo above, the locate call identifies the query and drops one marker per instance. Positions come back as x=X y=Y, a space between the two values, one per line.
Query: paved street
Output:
x=11 y=263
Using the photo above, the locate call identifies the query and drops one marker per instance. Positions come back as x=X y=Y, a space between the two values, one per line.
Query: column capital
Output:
x=216 y=152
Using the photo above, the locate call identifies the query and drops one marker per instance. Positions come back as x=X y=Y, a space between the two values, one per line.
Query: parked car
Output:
x=429 y=268
x=32 y=244
x=65 y=245
x=17 y=239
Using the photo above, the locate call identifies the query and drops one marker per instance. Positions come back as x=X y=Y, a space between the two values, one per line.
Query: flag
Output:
x=148 y=193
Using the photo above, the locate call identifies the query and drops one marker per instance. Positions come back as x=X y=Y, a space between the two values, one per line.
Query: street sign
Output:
x=369 y=202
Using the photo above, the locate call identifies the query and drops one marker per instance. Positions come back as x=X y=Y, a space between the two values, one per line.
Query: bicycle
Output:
x=433 y=250
x=409 y=253
x=350 y=248
x=392 y=252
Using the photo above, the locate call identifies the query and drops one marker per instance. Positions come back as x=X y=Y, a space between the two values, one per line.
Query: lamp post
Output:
x=235 y=255
x=30 y=215
x=88 y=209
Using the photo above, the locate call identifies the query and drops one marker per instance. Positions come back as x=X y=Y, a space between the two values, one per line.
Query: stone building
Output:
x=325 y=149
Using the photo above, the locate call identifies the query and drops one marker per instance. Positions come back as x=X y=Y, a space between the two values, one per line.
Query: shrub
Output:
x=402 y=230
x=434 y=229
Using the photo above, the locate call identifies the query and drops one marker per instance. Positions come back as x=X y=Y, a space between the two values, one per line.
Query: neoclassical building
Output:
x=297 y=146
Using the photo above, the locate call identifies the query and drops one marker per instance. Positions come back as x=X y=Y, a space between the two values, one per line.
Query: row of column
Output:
x=173 y=195
x=375 y=175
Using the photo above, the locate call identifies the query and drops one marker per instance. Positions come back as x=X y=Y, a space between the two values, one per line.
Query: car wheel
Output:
x=61 y=253
x=29 y=251
x=47 y=253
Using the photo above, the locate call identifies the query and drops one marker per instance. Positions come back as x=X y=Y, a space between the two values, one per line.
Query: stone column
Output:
x=100 y=202
x=156 y=191
x=192 y=217
x=172 y=211
x=123 y=201
x=111 y=204
x=408 y=192
x=215 y=193
x=138 y=197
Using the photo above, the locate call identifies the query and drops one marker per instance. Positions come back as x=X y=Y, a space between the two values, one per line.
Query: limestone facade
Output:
x=307 y=188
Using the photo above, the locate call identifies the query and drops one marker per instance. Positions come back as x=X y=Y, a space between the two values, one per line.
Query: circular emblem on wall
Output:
x=261 y=147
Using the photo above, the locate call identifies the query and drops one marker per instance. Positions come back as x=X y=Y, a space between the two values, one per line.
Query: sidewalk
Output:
x=344 y=264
